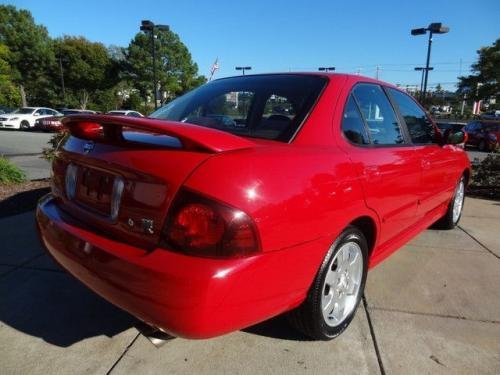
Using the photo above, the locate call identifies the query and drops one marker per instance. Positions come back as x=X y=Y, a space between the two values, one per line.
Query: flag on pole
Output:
x=214 y=68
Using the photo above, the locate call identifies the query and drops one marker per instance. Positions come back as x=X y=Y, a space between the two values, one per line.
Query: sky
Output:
x=294 y=35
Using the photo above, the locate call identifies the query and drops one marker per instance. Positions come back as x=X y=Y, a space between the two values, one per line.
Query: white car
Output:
x=125 y=113
x=24 y=118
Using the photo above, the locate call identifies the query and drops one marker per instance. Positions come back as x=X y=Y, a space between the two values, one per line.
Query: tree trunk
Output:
x=84 y=99
x=24 y=103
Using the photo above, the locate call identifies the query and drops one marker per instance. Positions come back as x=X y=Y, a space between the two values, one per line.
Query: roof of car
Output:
x=329 y=76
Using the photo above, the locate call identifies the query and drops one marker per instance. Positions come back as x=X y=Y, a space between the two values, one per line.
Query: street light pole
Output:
x=326 y=69
x=62 y=81
x=148 y=26
x=423 y=69
x=429 y=45
x=243 y=68
x=433 y=28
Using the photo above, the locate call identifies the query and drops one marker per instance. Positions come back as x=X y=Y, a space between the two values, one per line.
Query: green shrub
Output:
x=9 y=173
x=49 y=152
x=486 y=177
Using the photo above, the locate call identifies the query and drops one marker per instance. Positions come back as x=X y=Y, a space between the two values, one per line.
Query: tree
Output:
x=175 y=71
x=86 y=67
x=30 y=55
x=9 y=94
x=485 y=81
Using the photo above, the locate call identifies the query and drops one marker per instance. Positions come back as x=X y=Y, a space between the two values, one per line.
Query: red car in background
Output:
x=54 y=123
x=201 y=226
x=483 y=134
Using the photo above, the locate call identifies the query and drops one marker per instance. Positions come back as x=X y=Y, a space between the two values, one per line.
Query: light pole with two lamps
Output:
x=326 y=69
x=243 y=68
x=149 y=27
x=433 y=28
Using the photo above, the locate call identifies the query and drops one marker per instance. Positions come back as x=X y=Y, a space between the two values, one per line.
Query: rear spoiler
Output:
x=109 y=128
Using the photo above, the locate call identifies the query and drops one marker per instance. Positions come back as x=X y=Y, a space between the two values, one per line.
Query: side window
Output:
x=39 y=112
x=377 y=111
x=353 y=126
x=419 y=126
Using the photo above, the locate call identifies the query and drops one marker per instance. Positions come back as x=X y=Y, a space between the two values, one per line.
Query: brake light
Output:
x=203 y=227
x=87 y=130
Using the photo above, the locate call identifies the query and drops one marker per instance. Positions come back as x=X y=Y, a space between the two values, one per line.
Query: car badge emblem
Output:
x=87 y=147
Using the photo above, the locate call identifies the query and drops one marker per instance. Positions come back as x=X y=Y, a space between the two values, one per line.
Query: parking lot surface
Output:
x=432 y=307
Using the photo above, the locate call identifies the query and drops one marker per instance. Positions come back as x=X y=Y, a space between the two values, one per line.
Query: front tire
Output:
x=25 y=125
x=454 y=212
x=337 y=289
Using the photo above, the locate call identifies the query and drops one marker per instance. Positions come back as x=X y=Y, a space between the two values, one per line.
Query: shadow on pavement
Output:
x=21 y=202
x=55 y=307
x=277 y=328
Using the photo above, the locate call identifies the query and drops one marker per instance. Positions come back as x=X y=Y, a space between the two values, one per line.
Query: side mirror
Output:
x=455 y=138
x=36 y=114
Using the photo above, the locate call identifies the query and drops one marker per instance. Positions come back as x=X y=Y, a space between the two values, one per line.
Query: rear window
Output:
x=262 y=106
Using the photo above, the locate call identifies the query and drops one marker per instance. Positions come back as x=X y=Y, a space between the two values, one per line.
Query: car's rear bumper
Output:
x=186 y=296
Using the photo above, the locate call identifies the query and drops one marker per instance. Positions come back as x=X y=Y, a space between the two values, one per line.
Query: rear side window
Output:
x=419 y=126
x=379 y=115
x=353 y=126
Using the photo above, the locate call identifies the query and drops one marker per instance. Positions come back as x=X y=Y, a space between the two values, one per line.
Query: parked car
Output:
x=126 y=113
x=54 y=124
x=228 y=227
x=451 y=126
x=4 y=109
x=491 y=115
x=483 y=134
x=24 y=118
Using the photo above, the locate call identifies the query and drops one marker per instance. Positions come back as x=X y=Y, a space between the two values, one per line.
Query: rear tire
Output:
x=337 y=289
x=455 y=207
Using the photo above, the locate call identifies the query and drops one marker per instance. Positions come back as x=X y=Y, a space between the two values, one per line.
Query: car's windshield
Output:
x=24 y=111
x=261 y=106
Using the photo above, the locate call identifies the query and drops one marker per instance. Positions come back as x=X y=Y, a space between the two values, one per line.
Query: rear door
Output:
x=438 y=163
x=387 y=164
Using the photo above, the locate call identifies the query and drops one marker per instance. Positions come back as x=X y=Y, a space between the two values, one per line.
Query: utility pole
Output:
x=62 y=81
x=376 y=72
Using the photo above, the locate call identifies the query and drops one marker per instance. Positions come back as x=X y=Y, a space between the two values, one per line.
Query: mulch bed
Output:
x=19 y=198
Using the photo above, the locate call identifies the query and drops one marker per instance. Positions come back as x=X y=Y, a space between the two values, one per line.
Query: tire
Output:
x=25 y=125
x=455 y=207
x=315 y=317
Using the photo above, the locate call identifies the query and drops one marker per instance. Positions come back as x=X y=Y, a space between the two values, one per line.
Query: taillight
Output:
x=200 y=226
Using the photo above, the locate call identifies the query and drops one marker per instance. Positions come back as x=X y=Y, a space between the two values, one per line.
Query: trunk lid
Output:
x=119 y=175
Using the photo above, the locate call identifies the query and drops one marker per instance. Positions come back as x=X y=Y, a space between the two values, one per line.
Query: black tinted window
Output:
x=420 y=128
x=353 y=125
x=262 y=106
x=378 y=113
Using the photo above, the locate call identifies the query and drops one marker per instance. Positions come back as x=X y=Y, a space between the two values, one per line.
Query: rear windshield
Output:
x=262 y=106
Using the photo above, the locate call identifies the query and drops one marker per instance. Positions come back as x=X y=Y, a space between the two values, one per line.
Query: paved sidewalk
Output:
x=433 y=307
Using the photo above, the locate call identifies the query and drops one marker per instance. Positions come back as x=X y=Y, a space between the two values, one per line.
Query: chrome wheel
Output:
x=342 y=284
x=458 y=202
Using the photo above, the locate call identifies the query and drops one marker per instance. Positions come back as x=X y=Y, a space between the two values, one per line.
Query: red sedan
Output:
x=250 y=197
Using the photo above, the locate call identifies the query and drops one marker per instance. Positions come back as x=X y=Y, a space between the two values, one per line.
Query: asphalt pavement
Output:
x=433 y=307
x=24 y=150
